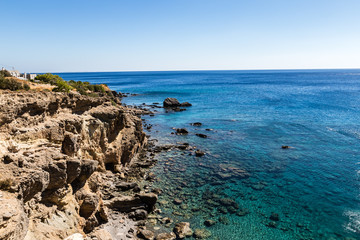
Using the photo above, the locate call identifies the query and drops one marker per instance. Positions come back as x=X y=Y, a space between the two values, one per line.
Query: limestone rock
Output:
x=146 y=234
x=183 y=230
x=52 y=146
x=166 y=236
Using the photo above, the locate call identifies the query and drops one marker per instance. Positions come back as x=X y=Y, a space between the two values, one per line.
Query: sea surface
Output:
x=311 y=190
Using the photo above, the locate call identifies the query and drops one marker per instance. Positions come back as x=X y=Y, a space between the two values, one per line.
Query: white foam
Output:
x=354 y=221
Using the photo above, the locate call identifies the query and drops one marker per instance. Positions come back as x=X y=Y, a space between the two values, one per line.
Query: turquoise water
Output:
x=313 y=187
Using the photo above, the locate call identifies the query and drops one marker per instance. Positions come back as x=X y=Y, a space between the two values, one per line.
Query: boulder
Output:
x=171 y=102
x=166 y=236
x=139 y=214
x=149 y=199
x=175 y=104
x=183 y=230
x=197 y=124
x=146 y=234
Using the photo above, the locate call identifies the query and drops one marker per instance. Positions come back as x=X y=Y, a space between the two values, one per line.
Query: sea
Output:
x=307 y=191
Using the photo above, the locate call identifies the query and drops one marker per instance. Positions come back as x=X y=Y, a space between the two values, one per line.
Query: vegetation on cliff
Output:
x=84 y=88
x=10 y=83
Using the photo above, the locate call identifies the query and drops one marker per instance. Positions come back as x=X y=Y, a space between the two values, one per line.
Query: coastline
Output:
x=194 y=189
x=66 y=158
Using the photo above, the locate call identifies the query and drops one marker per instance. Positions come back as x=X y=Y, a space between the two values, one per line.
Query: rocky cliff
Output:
x=55 y=149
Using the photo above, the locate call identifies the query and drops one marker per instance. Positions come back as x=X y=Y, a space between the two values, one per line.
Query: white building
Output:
x=15 y=73
x=31 y=76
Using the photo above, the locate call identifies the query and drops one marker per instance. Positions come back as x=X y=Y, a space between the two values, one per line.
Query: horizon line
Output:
x=202 y=70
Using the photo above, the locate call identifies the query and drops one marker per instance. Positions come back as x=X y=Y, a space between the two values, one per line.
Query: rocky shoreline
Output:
x=65 y=160
x=77 y=167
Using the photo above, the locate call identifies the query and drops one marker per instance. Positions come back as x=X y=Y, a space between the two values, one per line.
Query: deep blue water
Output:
x=314 y=186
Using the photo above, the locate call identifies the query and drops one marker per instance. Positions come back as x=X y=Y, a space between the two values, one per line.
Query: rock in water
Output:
x=175 y=104
x=274 y=217
x=186 y=104
x=166 y=236
x=199 y=153
x=171 y=102
x=209 y=223
x=202 y=233
x=181 y=131
x=201 y=135
x=183 y=230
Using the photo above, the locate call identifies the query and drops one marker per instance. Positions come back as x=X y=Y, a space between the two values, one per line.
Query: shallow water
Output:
x=313 y=187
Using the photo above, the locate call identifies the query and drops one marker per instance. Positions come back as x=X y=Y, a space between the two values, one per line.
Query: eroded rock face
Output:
x=51 y=144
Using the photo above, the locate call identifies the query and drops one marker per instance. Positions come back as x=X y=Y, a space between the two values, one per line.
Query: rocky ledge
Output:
x=64 y=161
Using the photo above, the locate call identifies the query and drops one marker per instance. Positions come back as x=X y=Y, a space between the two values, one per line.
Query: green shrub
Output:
x=26 y=87
x=11 y=84
x=62 y=86
x=49 y=78
x=84 y=88
x=5 y=73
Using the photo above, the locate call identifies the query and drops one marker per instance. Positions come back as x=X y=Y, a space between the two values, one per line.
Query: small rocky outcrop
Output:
x=174 y=103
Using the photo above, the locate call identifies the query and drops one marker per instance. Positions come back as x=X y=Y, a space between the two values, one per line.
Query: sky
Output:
x=155 y=35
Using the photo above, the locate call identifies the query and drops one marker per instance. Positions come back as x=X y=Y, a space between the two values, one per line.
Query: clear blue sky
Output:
x=119 y=35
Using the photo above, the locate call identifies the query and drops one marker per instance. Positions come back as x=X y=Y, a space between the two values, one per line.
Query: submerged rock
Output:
x=202 y=233
x=201 y=135
x=197 y=124
x=177 y=201
x=243 y=212
x=209 y=223
x=274 y=217
x=272 y=224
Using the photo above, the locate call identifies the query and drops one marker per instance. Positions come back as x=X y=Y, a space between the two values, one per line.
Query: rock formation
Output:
x=55 y=149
